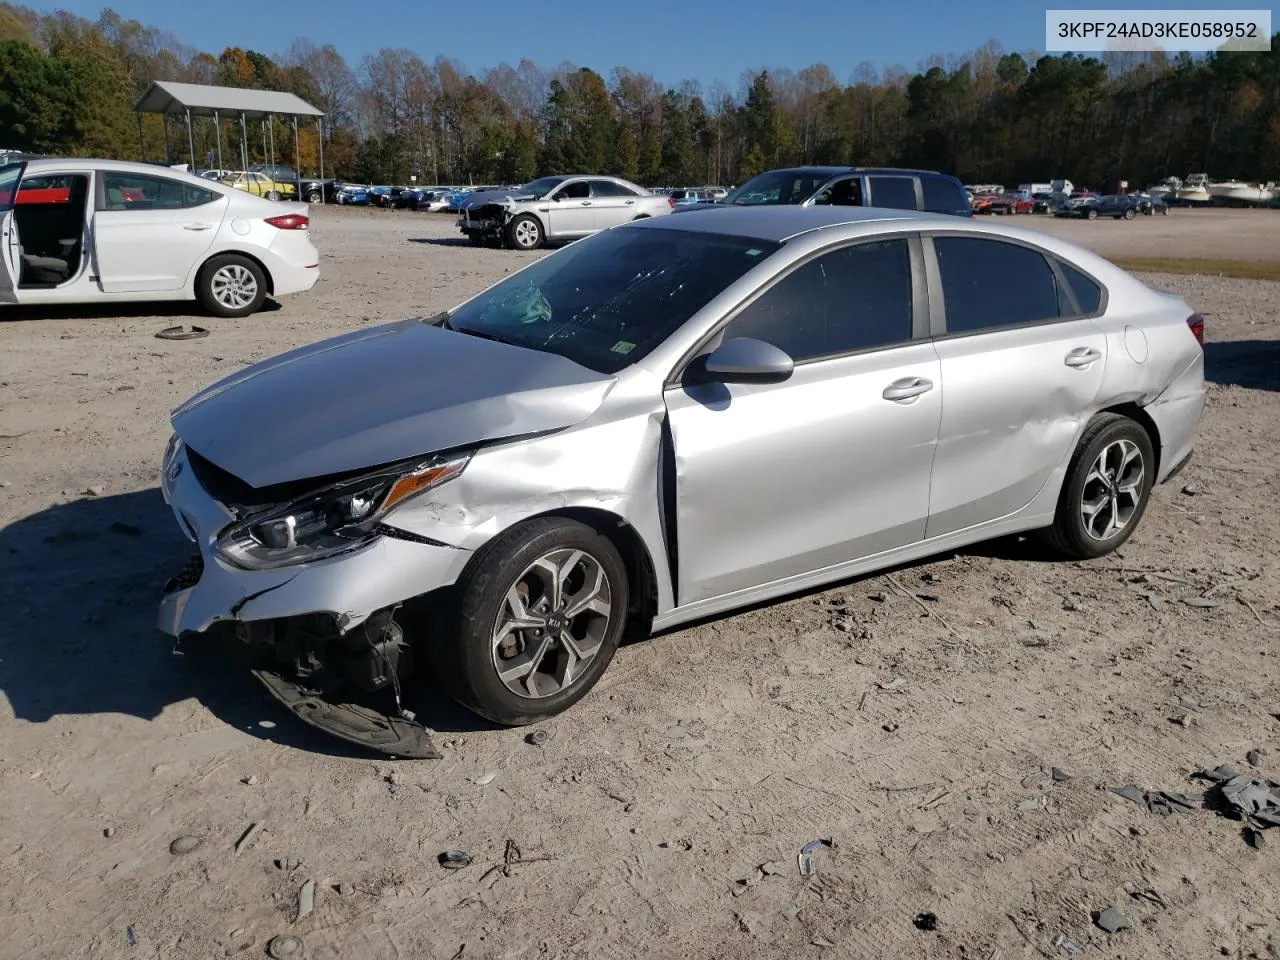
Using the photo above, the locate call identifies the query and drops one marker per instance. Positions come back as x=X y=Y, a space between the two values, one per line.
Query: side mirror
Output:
x=557 y=197
x=747 y=360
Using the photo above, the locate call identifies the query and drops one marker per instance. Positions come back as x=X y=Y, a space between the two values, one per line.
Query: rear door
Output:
x=611 y=204
x=10 y=243
x=1022 y=364
x=150 y=232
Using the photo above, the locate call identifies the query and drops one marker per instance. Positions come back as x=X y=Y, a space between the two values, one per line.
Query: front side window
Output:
x=988 y=284
x=855 y=298
x=895 y=193
x=607 y=301
x=841 y=193
x=10 y=174
x=778 y=187
x=579 y=190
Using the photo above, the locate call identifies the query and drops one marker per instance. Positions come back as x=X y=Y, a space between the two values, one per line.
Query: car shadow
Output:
x=1243 y=363
x=117 y=311
x=443 y=241
x=78 y=601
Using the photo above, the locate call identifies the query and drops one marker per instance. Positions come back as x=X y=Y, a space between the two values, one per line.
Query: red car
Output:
x=981 y=202
x=1012 y=203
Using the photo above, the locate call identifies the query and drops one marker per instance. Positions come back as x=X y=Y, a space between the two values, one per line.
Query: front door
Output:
x=570 y=211
x=1022 y=365
x=10 y=242
x=778 y=480
x=150 y=232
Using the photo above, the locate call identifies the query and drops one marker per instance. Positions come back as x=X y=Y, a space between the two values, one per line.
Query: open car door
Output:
x=10 y=245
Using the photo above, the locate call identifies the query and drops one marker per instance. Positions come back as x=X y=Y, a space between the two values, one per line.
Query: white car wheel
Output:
x=231 y=286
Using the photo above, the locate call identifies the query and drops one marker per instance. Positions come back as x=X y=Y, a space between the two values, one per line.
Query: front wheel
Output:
x=273 y=194
x=1106 y=489
x=231 y=286
x=1129 y=214
x=314 y=197
x=1092 y=215
x=537 y=616
x=524 y=233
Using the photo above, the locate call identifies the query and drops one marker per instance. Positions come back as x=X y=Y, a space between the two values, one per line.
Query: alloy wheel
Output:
x=1112 y=490
x=234 y=286
x=526 y=234
x=551 y=623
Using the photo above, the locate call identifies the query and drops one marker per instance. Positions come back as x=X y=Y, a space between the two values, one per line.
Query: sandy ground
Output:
x=640 y=828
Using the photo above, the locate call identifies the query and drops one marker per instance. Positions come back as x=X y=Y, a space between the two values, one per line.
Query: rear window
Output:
x=988 y=284
x=942 y=196
x=607 y=301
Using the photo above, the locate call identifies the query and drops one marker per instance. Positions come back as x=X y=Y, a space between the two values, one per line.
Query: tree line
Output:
x=67 y=86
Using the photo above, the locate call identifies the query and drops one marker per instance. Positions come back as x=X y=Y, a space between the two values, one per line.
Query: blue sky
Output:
x=703 y=40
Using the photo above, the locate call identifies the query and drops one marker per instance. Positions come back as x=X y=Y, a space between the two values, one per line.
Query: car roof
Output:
x=833 y=171
x=54 y=164
x=781 y=223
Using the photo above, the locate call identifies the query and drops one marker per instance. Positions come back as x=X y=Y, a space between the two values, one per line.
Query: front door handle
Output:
x=1082 y=357
x=196 y=226
x=630 y=202
x=907 y=389
x=586 y=203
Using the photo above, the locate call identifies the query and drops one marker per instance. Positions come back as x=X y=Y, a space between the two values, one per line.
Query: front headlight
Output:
x=333 y=520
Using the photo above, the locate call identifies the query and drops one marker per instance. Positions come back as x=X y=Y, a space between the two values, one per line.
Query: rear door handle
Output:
x=196 y=226
x=907 y=389
x=1082 y=357
x=629 y=202
x=586 y=203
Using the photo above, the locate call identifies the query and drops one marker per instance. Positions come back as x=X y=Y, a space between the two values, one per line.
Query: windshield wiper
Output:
x=483 y=335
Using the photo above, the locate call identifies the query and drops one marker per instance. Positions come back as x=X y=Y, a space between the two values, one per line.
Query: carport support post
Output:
x=297 y=160
x=320 y=144
x=142 y=146
x=164 y=124
x=244 y=145
x=217 y=122
x=191 y=144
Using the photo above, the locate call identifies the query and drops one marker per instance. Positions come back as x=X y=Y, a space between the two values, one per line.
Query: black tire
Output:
x=1068 y=534
x=314 y=196
x=1130 y=214
x=460 y=648
x=273 y=194
x=224 y=268
x=1092 y=215
x=1164 y=212
x=525 y=233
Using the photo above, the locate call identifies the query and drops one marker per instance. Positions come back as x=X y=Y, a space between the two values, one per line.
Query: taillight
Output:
x=289 y=221
x=671 y=202
x=1196 y=323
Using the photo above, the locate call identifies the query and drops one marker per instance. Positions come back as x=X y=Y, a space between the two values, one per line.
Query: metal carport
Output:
x=188 y=100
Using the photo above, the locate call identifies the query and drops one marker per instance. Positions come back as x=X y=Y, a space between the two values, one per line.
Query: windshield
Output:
x=539 y=188
x=609 y=300
x=778 y=187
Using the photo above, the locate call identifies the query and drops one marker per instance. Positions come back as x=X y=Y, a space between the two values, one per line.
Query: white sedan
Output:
x=91 y=231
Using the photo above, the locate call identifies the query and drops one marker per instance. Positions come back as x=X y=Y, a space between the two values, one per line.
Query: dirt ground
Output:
x=915 y=718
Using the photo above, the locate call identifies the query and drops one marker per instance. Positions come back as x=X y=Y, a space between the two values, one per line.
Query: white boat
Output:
x=1237 y=191
x=1165 y=188
x=1194 y=189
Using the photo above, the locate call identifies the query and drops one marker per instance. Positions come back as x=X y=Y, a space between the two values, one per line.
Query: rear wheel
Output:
x=1129 y=214
x=524 y=233
x=1092 y=215
x=231 y=286
x=273 y=194
x=1106 y=489
x=314 y=196
x=536 y=620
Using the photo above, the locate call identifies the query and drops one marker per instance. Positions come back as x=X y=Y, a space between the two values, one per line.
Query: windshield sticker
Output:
x=623 y=347
x=753 y=252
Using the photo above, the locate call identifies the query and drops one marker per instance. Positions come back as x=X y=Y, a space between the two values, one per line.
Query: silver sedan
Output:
x=667 y=421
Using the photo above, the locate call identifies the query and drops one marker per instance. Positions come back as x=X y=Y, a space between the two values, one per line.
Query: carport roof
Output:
x=165 y=96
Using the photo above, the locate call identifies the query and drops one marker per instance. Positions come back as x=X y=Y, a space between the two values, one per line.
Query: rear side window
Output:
x=943 y=196
x=988 y=284
x=1088 y=294
x=856 y=298
x=896 y=193
x=607 y=188
x=193 y=196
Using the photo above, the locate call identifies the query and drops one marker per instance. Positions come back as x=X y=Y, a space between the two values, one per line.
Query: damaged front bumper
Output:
x=484 y=223
x=321 y=630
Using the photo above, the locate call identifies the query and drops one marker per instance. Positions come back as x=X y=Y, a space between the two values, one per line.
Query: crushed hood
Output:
x=379 y=395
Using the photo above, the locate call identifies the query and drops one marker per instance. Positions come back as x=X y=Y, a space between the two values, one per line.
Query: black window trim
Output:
x=937 y=303
x=920 y=305
x=100 y=190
